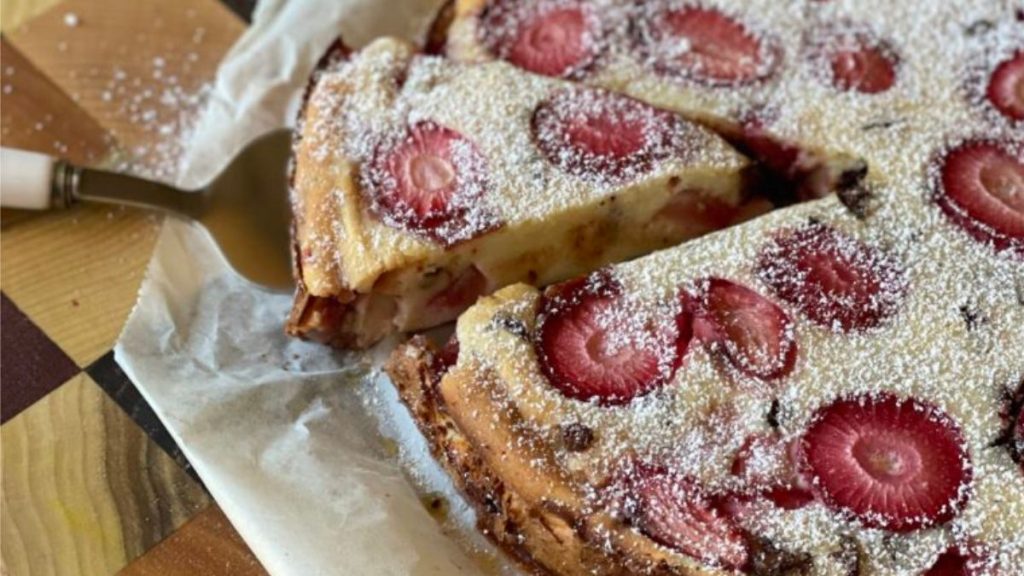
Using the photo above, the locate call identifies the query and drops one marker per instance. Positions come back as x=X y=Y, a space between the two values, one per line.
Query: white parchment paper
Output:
x=306 y=450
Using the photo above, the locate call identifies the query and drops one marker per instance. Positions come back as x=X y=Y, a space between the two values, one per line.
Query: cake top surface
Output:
x=415 y=154
x=873 y=332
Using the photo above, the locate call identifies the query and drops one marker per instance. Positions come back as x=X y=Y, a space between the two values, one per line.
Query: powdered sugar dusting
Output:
x=369 y=103
x=950 y=313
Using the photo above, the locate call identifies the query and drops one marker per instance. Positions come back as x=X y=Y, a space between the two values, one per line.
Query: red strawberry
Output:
x=1006 y=87
x=462 y=292
x=592 y=132
x=593 y=345
x=981 y=189
x=834 y=280
x=676 y=512
x=698 y=212
x=429 y=182
x=950 y=563
x=756 y=335
x=859 y=63
x=960 y=561
x=552 y=38
x=777 y=155
x=894 y=464
x=772 y=467
x=445 y=358
x=1018 y=435
x=703 y=44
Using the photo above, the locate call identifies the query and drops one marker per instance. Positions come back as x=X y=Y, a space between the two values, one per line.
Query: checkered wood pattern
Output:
x=92 y=483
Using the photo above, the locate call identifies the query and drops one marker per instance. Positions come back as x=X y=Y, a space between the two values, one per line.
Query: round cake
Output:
x=831 y=388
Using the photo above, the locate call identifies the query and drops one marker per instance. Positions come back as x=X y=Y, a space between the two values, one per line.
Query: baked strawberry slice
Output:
x=444 y=359
x=772 y=467
x=593 y=133
x=1006 y=87
x=981 y=189
x=1018 y=434
x=552 y=38
x=1017 y=438
x=962 y=561
x=786 y=159
x=462 y=292
x=595 y=345
x=429 y=182
x=703 y=44
x=756 y=335
x=897 y=464
x=676 y=512
x=834 y=280
x=860 y=63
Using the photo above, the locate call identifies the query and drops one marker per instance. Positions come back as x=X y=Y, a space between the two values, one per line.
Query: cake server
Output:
x=245 y=209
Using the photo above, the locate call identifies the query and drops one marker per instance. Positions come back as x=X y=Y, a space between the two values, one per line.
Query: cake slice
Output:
x=781 y=79
x=800 y=394
x=832 y=388
x=421 y=184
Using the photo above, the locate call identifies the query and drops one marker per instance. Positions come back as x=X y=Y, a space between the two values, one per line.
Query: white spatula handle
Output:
x=26 y=179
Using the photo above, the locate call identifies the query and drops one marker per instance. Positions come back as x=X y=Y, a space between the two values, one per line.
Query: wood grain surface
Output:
x=206 y=545
x=84 y=489
x=138 y=67
x=89 y=485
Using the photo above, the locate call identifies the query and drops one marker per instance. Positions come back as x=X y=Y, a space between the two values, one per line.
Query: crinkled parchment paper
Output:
x=306 y=450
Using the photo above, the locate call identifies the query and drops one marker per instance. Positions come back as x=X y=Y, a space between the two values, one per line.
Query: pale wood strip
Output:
x=76 y=273
x=84 y=490
x=139 y=68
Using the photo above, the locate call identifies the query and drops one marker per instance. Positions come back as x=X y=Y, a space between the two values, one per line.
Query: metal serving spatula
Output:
x=245 y=208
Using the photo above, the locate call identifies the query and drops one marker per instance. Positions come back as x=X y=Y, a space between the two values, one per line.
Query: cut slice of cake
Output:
x=780 y=79
x=800 y=394
x=421 y=184
x=833 y=388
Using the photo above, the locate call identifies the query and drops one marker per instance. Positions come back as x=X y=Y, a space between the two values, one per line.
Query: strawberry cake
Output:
x=831 y=388
x=420 y=184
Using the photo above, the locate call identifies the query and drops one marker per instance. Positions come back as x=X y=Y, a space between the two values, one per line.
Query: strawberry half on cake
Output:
x=735 y=65
x=833 y=388
x=795 y=395
x=421 y=184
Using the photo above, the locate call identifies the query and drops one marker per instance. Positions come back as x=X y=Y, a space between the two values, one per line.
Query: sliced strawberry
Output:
x=893 y=463
x=1018 y=435
x=462 y=292
x=589 y=132
x=429 y=182
x=772 y=468
x=1006 y=87
x=1012 y=416
x=981 y=189
x=553 y=37
x=594 y=345
x=834 y=280
x=703 y=44
x=677 y=513
x=778 y=156
x=859 y=62
x=755 y=334
x=950 y=563
x=972 y=560
x=445 y=358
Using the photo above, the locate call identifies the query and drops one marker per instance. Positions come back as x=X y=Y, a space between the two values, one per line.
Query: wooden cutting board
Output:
x=91 y=481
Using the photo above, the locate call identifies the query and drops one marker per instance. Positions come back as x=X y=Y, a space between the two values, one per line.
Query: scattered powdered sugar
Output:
x=952 y=313
x=366 y=105
x=909 y=264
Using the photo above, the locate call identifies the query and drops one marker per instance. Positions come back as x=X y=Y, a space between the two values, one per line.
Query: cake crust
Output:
x=545 y=536
x=373 y=256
